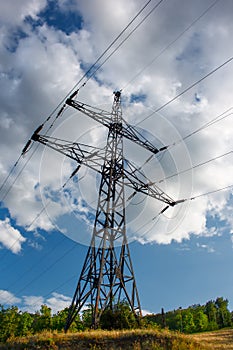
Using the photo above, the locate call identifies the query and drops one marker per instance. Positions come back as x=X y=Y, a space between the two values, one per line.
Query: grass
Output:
x=141 y=339
x=217 y=340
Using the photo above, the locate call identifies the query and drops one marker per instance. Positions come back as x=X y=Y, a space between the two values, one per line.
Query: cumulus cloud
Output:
x=8 y=298
x=44 y=63
x=10 y=237
x=32 y=303
x=13 y=12
x=58 y=302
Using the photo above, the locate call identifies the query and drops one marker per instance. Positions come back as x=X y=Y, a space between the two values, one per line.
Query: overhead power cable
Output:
x=210 y=192
x=187 y=89
x=10 y=172
x=20 y=172
x=60 y=285
x=44 y=271
x=213 y=121
x=210 y=123
x=61 y=106
x=194 y=167
x=31 y=267
x=123 y=41
x=170 y=44
x=206 y=193
x=204 y=126
x=39 y=214
x=73 y=92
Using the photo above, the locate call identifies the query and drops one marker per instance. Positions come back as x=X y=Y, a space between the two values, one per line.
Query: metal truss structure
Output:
x=107 y=276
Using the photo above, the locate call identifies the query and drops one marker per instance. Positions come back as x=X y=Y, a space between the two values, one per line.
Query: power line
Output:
x=77 y=86
x=187 y=89
x=209 y=123
x=20 y=172
x=60 y=285
x=170 y=44
x=36 y=264
x=123 y=41
x=194 y=167
x=45 y=270
x=38 y=215
x=208 y=193
x=10 y=172
x=206 y=125
x=61 y=105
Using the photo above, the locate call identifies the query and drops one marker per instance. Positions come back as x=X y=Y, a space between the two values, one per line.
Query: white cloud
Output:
x=32 y=303
x=47 y=63
x=13 y=12
x=146 y=312
x=8 y=298
x=58 y=302
x=10 y=237
x=206 y=247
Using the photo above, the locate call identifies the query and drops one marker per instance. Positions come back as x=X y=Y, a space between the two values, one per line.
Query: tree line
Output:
x=196 y=318
x=15 y=323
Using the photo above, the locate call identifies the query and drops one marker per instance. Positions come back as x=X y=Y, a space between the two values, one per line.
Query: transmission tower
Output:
x=107 y=276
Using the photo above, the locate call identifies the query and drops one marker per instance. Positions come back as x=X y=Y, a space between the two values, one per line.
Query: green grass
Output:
x=141 y=339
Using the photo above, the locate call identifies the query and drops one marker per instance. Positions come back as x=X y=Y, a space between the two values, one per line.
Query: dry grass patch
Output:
x=217 y=340
x=106 y=340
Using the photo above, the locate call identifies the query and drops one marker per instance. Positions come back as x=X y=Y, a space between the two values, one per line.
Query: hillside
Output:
x=107 y=340
x=217 y=340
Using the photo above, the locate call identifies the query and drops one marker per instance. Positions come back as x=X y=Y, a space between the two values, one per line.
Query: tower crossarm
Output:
x=93 y=158
x=87 y=155
x=124 y=129
x=135 y=179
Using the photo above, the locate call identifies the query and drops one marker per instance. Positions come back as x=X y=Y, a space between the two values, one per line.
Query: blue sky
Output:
x=185 y=256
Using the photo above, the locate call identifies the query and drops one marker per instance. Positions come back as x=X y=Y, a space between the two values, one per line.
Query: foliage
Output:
x=59 y=321
x=196 y=318
x=119 y=316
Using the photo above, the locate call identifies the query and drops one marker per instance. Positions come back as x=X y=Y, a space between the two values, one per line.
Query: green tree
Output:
x=119 y=317
x=200 y=320
x=187 y=321
x=87 y=316
x=24 y=325
x=211 y=312
x=42 y=320
x=59 y=321
x=8 y=322
x=223 y=314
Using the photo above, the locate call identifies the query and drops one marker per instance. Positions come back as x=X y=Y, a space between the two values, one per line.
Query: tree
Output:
x=211 y=312
x=59 y=321
x=87 y=316
x=119 y=317
x=42 y=320
x=8 y=322
x=188 y=322
x=24 y=325
x=223 y=314
x=200 y=320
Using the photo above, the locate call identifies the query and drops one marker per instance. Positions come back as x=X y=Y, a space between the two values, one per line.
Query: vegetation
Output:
x=196 y=318
x=43 y=330
x=216 y=340
x=140 y=339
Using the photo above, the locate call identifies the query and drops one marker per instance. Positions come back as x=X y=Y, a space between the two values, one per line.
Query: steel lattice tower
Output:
x=107 y=276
